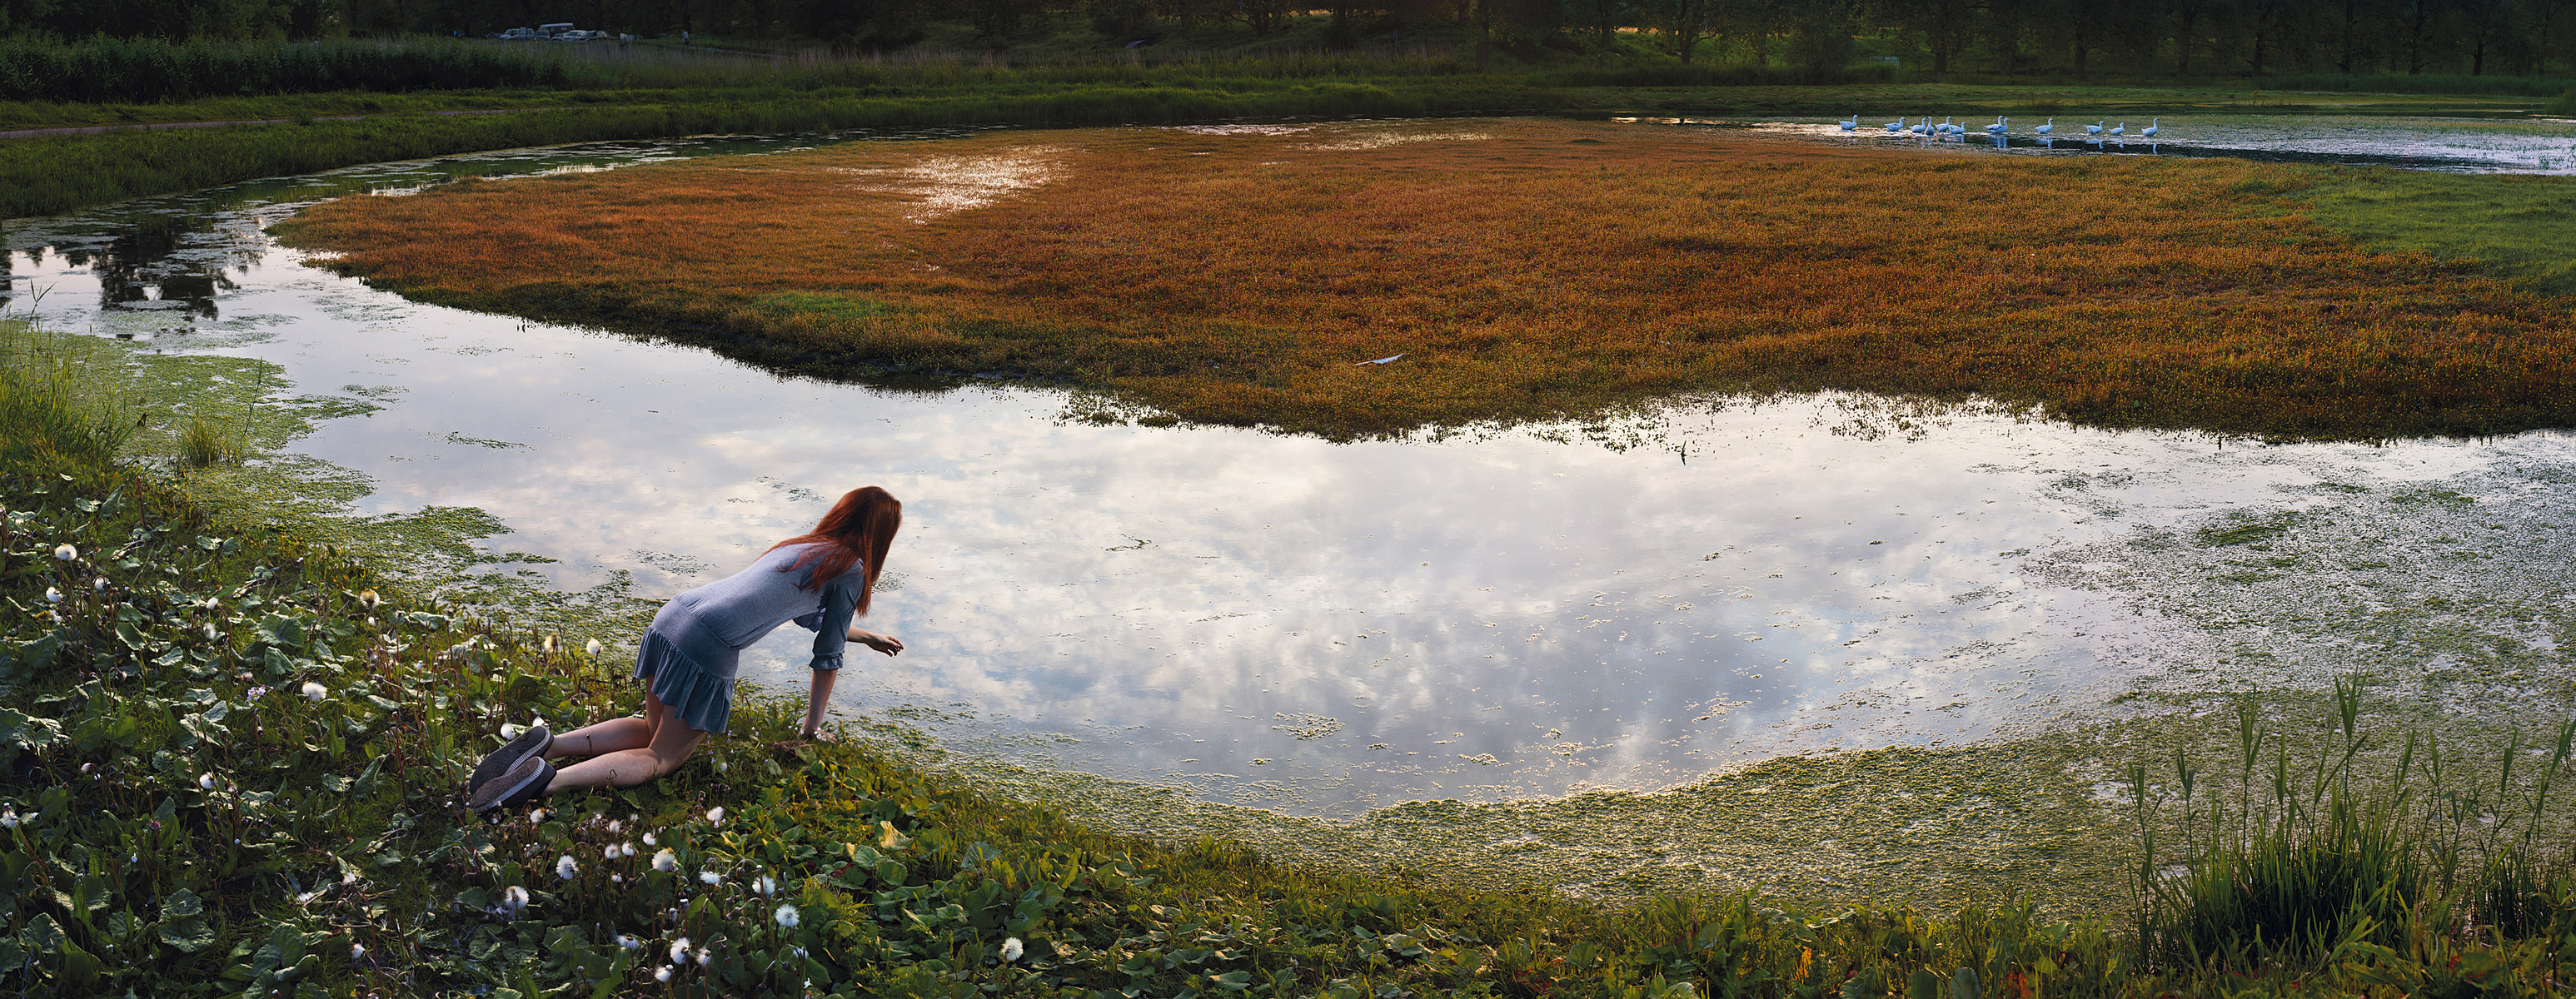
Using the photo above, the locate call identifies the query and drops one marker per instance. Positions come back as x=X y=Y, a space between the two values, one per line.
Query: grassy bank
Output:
x=228 y=764
x=1523 y=270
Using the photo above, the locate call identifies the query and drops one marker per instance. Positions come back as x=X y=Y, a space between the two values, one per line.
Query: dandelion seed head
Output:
x=786 y=915
x=357 y=951
x=650 y=841
x=1012 y=949
x=765 y=885
x=206 y=780
x=66 y=552
x=679 y=950
x=369 y=599
x=614 y=826
x=314 y=690
x=628 y=941
x=665 y=861
x=608 y=852
x=99 y=584
x=565 y=868
x=210 y=631
x=53 y=595
x=537 y=816
x=9 y=819
x=716 y=815
x=710 y=876
x=706 y=957
x=592 y=647
x=662 y=974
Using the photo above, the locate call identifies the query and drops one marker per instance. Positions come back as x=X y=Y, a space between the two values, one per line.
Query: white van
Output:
x=551 y=30
x=518 y=35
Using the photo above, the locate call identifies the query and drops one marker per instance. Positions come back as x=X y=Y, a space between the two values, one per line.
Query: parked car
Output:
x=583 y=36
x=516 y=35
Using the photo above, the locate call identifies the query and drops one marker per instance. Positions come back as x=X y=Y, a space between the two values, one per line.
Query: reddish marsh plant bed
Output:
x=1524 y=269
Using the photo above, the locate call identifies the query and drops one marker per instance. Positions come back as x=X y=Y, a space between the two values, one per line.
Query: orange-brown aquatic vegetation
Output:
x=1523 y=268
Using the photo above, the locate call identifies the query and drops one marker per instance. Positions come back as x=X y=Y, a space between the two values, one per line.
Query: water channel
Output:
x=1322 y=629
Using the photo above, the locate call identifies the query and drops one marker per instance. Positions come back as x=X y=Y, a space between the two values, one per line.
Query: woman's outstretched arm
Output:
x=822 y=697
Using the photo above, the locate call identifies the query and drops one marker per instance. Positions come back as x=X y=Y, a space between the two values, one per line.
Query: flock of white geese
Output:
x=2002 y=127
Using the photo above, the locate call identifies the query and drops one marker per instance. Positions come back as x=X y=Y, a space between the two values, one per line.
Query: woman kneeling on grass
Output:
x=819 y=580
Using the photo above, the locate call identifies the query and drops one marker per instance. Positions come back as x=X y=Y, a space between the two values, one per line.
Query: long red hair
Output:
x=858 y=530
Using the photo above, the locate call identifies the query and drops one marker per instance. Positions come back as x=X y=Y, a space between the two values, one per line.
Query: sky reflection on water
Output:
x=1314 y=627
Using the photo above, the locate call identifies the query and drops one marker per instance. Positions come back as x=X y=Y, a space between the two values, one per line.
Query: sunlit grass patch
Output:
x=1521 y=274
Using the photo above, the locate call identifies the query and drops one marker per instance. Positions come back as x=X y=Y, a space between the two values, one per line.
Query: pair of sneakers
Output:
x=515 y=774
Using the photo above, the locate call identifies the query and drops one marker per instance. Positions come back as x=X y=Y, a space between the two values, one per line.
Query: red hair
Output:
x=858 y=530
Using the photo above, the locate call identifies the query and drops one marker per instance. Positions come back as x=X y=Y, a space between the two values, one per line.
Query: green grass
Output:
x=2513 y=226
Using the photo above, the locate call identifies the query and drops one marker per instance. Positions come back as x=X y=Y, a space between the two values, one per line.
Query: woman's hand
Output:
x=887 y=644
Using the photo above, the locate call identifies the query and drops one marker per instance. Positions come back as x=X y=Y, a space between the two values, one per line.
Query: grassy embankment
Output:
x=650 y=92
x=228 y=766
x=1538 y=269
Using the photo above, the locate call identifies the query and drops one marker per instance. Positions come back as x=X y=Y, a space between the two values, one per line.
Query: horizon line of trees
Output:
x=2081 y=38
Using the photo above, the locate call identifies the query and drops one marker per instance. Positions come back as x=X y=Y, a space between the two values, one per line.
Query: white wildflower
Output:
x=53 y=596
x=785 y=914
x=665 y=861
x=565 y=868
x=66 y=552
x=716 y=815
x=592 y=647
x=314 y=691
x=679 y=950
x=765 y=885
x=710 y=876
x=357 y=951
x=206 y=780
x=1011 y=950
x=514 y=899
x=662 y=974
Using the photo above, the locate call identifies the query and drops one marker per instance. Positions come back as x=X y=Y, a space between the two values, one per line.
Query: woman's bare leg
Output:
x=605 y=737
x=672 y=741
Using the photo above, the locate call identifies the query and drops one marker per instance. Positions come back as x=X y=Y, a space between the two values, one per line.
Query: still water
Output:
x=2448 y=145
x=1311 y=627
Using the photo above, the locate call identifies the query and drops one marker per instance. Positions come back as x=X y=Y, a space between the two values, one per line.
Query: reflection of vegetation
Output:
x=1239 y=278
x=274 y=752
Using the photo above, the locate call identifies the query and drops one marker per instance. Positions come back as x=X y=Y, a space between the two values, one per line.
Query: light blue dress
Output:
x=696 y=641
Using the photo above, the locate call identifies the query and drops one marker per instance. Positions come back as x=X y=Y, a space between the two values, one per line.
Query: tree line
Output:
x=2080 y=39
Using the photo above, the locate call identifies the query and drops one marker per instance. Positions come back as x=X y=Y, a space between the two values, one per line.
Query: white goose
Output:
x=2150 y=130
x=2001 y=125
x=1898 y=125
x=1851 y=124
x=2093 y=129
x=1922 y=127
x=2047 y=128
x=2117 y=132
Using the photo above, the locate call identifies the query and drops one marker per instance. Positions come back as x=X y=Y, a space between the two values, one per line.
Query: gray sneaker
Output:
x=518 y=785
x=533 y=742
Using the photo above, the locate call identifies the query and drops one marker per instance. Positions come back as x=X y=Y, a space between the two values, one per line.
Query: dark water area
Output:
x=1322 y=628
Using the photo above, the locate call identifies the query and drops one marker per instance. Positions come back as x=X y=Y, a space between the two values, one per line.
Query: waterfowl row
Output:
x=2001 y=127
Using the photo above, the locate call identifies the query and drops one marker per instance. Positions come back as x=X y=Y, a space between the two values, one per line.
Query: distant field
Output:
x=1523 y=269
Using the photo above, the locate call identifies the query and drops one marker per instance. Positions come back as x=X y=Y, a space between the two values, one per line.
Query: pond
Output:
x=1322 y=629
